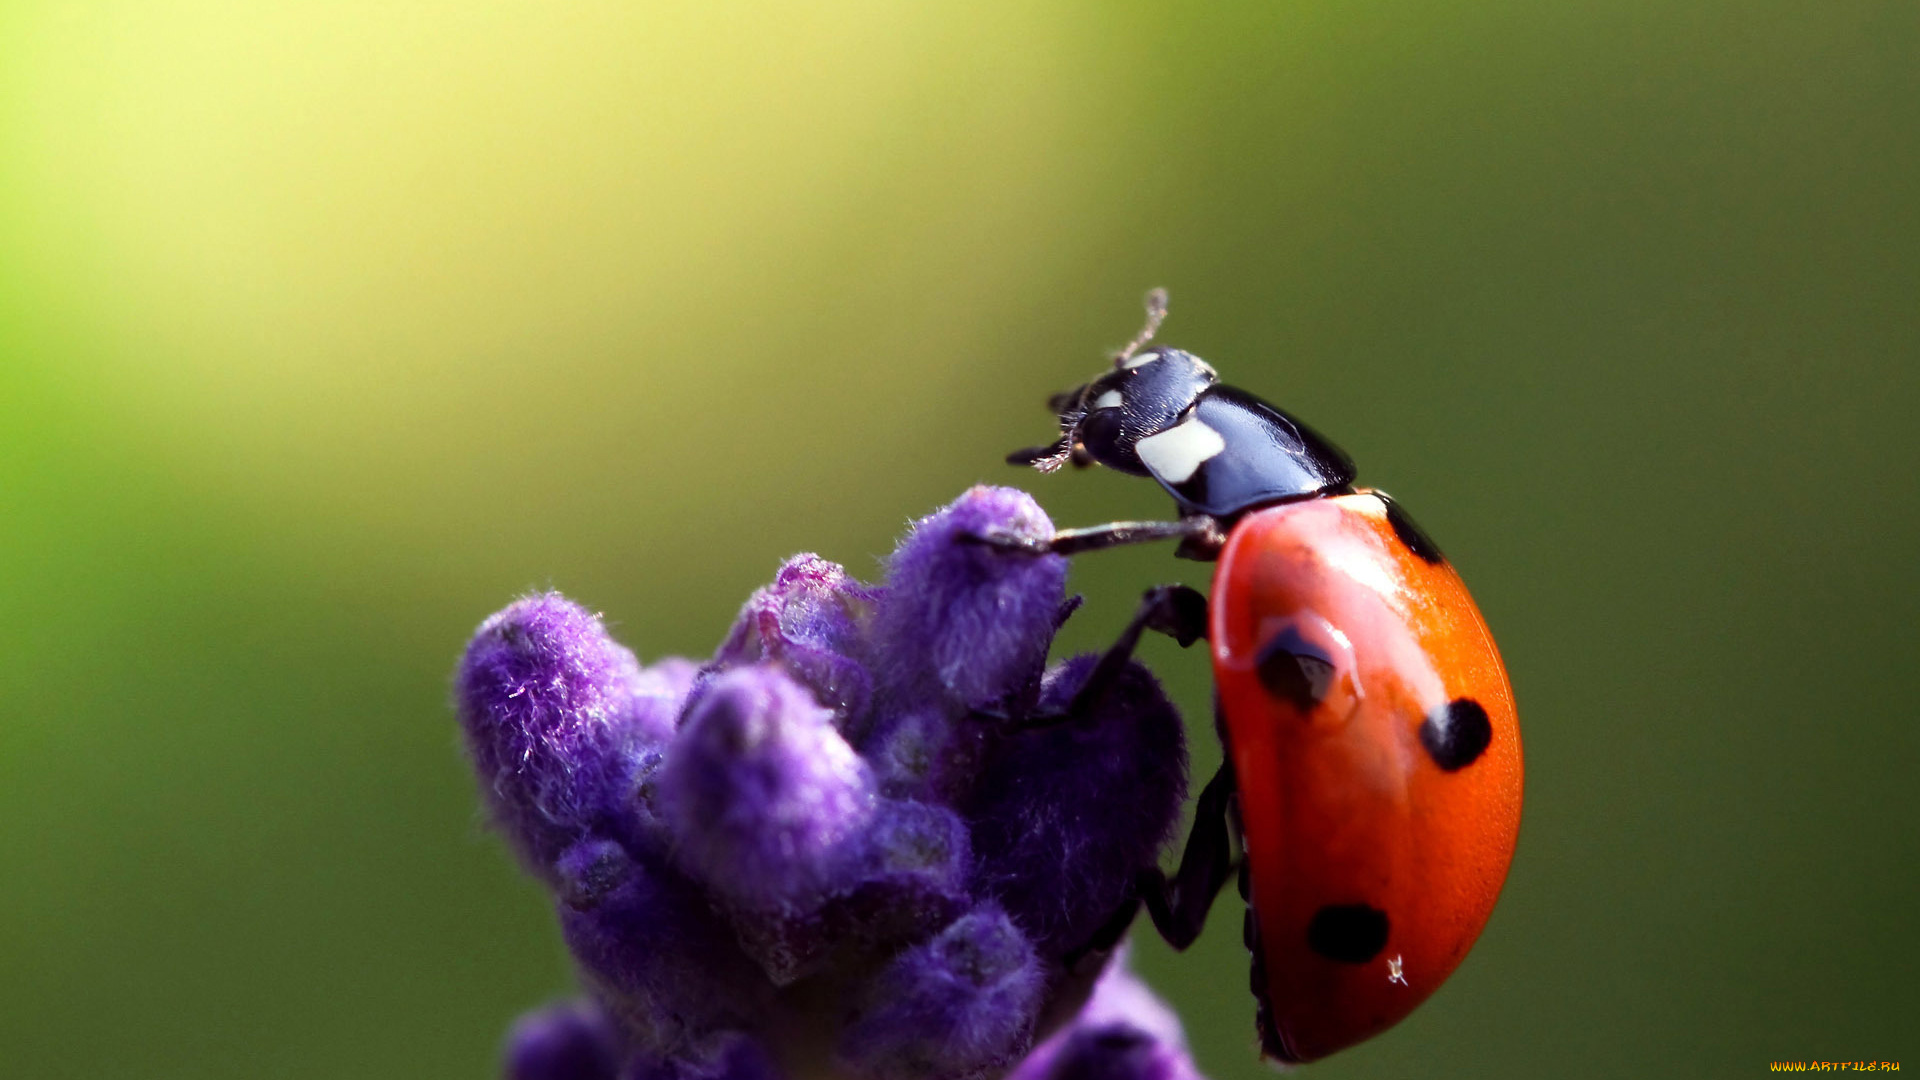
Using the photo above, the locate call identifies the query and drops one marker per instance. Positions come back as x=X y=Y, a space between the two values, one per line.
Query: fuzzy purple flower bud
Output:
x=931 y=753
x=572 y=1040
x=661 y=960
x=553 y=709
x=916 y=867
x=969 y=618
x=588 y=871
x=811 y=620
x=960 y=1007
x=906 y=877
x=1122 y=1033
x=918 y=847
x=765 y=796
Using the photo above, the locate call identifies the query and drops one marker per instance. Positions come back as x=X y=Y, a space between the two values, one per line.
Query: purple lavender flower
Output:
x=857 y=842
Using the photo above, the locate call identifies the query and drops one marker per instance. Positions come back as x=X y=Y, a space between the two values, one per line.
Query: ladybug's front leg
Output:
x=1200 y=536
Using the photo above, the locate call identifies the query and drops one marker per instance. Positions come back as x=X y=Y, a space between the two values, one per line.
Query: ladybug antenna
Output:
x=1045 y=458
x=1070 y=405
x=1156 y=314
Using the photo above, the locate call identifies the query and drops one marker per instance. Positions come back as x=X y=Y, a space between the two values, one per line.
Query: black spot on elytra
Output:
x=1293 y=670
x=1456 y=734
x=1348 y=933
x=1409 y=531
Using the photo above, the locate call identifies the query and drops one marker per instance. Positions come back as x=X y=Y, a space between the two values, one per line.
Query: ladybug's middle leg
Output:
x=1178 y=905
x=1175 y=610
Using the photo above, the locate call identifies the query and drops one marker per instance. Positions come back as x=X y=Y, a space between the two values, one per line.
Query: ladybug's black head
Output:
x=1162 y=412
x=1104 y=420
x=1144 y=393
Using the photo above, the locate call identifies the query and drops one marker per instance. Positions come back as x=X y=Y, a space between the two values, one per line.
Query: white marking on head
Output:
x=1177 y=453
x=1141 y=359
x=1109 y=400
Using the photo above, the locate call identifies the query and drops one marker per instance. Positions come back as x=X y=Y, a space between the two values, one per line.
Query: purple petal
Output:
x=1066 y=816
x=571 y=1040
x=971 y=620
x=960 y=1007
x=765 y=798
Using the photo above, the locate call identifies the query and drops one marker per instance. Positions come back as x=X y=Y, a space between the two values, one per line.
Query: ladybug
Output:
x=1369 y=796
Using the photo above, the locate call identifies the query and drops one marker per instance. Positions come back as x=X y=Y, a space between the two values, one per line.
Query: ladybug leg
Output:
x=1200 y=537
x=1174 y=610
x=1179 y=905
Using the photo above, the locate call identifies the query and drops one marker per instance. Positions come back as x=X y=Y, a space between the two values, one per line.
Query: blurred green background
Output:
x=326 y=329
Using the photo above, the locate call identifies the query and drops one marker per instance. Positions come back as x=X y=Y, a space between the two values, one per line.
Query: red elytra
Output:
x=1343 y=808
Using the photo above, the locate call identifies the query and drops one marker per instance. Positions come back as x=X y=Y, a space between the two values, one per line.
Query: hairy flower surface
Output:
x=864 y=840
